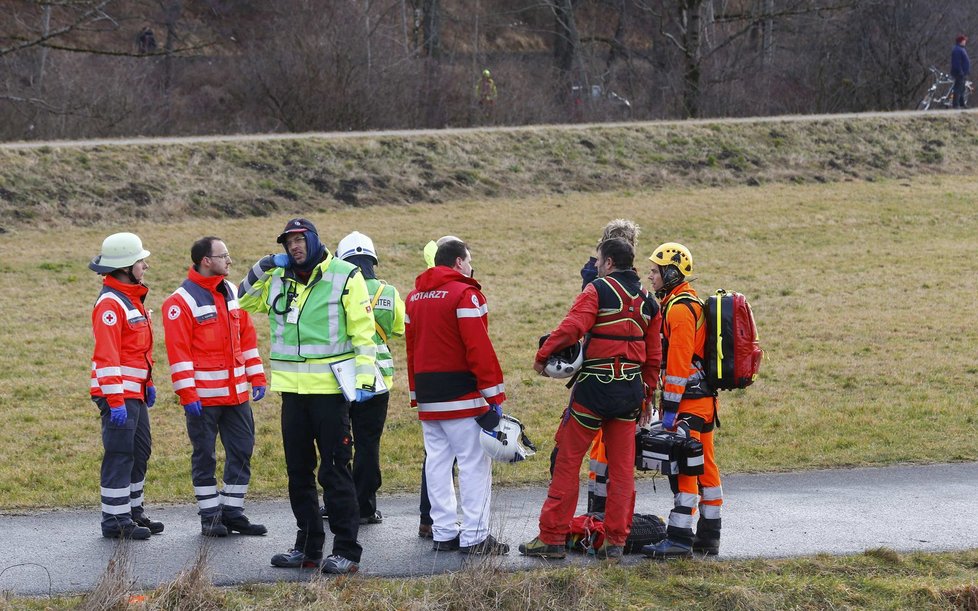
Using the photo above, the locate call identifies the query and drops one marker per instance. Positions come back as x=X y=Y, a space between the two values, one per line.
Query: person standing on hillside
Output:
x=614 y=386
x=486 y=93
x=321 y=325
x=122 y=384
x=687 y=398
x=457 y=385
x=368 y=418
x=213 y=353
x=960 y=68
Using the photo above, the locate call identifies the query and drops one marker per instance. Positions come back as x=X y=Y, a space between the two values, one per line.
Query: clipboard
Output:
x=345 y=372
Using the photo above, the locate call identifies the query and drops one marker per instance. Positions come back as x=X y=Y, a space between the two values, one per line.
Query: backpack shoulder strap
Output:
x=373 y=303
x=686 y=299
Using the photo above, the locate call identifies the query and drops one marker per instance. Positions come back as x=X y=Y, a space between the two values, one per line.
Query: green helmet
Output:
x=119 y=250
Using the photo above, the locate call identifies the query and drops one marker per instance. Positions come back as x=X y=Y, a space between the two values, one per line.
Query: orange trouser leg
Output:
x=711 y=492
x=597 y=488
x=619 y=443
x=687 y=488
x=558 y=510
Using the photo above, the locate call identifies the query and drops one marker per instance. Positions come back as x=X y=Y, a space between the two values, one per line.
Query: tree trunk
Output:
x=767 y=36
x=172 y=10
x=431 y=24
x=689 y=19
x=43 y=55
x=567 y=41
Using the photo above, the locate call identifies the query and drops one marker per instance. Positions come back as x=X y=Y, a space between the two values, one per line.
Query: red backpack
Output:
x=733 y=352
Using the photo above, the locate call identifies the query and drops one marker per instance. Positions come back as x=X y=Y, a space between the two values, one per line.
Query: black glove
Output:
x=490 y=420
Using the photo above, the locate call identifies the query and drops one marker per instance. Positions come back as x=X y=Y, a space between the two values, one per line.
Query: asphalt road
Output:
x=905 y=508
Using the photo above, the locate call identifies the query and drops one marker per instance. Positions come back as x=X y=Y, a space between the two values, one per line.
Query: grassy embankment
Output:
x=861 y=292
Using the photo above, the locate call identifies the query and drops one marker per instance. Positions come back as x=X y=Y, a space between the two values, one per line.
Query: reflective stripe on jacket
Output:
x=452 y=367
x=333 y=322
x=122 y=362
x=210 y=342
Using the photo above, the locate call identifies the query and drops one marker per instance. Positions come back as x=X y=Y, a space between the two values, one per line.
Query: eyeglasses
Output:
x=226 y=255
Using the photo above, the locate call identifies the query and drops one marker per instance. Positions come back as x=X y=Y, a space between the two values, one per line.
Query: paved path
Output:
x=906 y=508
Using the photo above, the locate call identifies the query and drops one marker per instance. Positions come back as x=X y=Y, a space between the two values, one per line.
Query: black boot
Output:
x=243 y=525
x=211 y=526
x=130 y=530
x=153 y=526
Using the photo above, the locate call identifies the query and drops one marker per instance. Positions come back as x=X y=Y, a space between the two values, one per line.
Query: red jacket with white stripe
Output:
x=211 y=343
x=122 y=363
x=452 y=367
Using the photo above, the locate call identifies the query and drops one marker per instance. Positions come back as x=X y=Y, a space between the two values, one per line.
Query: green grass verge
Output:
x=863 y=295
x=877 y=579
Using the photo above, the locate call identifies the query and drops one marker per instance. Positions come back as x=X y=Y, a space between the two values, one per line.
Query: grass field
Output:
x=863 y=294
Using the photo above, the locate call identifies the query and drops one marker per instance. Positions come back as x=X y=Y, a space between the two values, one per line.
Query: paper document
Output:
x=345 y=372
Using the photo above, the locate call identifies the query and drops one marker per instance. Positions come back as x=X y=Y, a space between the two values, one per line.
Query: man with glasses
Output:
x=213 y=353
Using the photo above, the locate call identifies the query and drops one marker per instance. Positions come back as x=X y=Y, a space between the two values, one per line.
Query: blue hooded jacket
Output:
x=960 y=64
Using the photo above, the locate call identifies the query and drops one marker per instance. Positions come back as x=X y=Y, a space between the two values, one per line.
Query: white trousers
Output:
x=445 y=441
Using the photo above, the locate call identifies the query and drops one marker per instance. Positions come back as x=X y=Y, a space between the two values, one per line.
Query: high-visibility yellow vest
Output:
x=388 y=309
x=315 y=324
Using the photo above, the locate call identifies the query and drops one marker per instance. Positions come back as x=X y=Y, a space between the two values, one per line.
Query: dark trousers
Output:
x=959 y=92
x=323 y=421
x=368 y=425
x=236 y=426
x=127 y=451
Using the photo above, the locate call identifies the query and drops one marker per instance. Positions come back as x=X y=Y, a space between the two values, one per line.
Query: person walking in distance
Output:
x=960 y=68
x=615 y=385
x=321 y=326
x=686 y=398
x=368 y=418
x=213 y=353
x=122 y=384
x=457 y=385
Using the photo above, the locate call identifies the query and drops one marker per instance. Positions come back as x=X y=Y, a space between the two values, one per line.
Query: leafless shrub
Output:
x=191 y=590
x=112 y=591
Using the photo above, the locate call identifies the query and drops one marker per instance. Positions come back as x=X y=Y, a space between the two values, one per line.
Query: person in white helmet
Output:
x=368 y=417
x=121 y=384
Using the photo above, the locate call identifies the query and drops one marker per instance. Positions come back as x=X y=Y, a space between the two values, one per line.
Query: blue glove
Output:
x=364 y=395
x=281 y=260
x=669 y=420
x=192 y=409
x=118 y=416
x=257 y=393
x=490 y=420
x=150 y=396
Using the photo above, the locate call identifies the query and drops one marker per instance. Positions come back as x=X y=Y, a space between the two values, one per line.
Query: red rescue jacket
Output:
x=122 y=363
x=211 y=343
x=452 y=367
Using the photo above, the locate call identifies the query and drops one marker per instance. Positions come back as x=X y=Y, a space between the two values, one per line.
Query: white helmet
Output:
x=356 y=244
x=119 y=250
x=507 y=442
x=566 y=362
